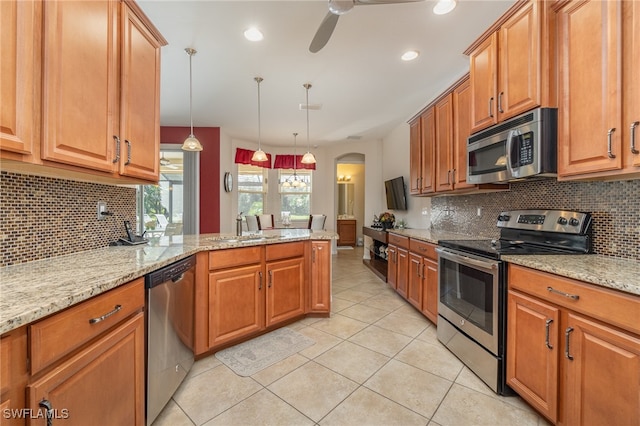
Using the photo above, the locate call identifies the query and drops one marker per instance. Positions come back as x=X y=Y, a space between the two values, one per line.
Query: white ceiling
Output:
x=364 y=88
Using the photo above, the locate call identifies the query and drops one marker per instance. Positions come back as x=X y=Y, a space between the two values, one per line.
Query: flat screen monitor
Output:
x=394 y=189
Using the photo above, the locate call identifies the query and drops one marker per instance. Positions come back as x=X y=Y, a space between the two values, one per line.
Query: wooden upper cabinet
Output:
x=415 y=164
x=80 y=83
x=427 y=150
x=140 y=99
x=506 y=67
x=20 y=82
x=461 y=132
x=631 y=84
x=444 y=144
x=589 y=117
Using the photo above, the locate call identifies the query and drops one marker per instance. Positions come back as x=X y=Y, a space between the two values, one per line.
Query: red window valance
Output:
x=243 y=156
x=286 y=162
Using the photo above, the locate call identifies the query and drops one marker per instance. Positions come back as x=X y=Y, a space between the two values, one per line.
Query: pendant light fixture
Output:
x=259 y=155
x=191 y=143
x=308 y=157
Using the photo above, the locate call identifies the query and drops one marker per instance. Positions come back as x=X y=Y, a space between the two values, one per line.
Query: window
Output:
x=251 y=189
x=295 y=193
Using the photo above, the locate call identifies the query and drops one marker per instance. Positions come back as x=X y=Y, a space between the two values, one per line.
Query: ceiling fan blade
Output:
x=324 y=32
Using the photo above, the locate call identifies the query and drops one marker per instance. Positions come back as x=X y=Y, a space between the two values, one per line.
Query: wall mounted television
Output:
x=396 y=199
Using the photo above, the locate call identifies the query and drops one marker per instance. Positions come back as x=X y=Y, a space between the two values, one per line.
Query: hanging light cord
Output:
x=307 y=86
x=259 y=80
x=191 y=52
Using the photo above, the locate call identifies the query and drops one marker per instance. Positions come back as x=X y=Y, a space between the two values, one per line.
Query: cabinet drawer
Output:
x=284 y=251
x=423 y=248
x=399 y=240
x=220 y=259
x=611 y=306
x=58 y=335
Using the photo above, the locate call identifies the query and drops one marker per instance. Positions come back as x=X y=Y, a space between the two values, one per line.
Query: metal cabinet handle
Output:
x=547 y=325
x=105 y=316
x=260 y=281
x=128 y=152
x=500 y=102
x=418 y=270
x=562 y=293
x=633 y=137
x=609 y=138
x=46 y=404
x=270 y=278
x=313 y=255
x=448 y=177
x=453 y=175
x=491 y=107
x=567 y=334
x=117 y=139
x=423 y=276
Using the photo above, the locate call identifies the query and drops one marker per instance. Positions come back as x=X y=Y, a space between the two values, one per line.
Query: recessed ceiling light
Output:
x=410 y=55
x=444 y=6
x=253 y=34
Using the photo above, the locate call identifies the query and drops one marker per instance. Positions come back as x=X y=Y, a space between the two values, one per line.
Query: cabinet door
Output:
x=101 y=385
x=80 y=83
x=444 y=144
x=20 y=83
x=533 y=347
x=392 y=266
x=415 y=163
x=320 y=276
x=430 y=289
x=631 y=83
x=414 y=291
x=243 y=289
x=346 y=232
x=13 y=374
x=461 y=132
x=519 y=62
x=285 y=290
x=589 y=116
x=140 y=100
x=602 y=385
x=427 y=151
x=484 y=79
x=402 y=278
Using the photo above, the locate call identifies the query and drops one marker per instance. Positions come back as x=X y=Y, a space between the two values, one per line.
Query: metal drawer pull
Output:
x=491 y=106
x=567 y=333
x=500 y=110
x=633 y=137
x=609 y=148
x=547 y=323
x=562 y=293
x=105 y=316
x=117 y=139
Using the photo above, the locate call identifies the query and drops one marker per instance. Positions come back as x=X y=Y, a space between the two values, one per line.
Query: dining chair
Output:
x=252 y=223
x=316 y=222
x=265 y=221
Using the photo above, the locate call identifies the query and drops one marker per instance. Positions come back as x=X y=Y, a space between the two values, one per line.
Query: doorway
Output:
x=349 y=202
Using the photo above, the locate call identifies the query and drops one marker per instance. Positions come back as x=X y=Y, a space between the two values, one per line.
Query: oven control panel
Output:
x=564 y=221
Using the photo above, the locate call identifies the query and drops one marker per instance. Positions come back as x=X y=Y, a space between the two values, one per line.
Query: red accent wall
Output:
x=209 y=137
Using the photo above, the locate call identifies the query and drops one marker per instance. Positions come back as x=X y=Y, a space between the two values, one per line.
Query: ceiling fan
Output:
x=337 y=8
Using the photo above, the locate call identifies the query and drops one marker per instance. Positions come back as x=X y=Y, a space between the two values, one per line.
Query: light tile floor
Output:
x=376 y=361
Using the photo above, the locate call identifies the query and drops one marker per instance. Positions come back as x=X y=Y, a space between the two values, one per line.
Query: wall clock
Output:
x=228 y=182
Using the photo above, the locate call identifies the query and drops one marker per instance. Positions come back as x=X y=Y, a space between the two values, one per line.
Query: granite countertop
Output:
x=618 y=274
x=33 y=290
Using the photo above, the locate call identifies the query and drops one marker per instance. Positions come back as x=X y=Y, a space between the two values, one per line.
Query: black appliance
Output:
x=472 y=284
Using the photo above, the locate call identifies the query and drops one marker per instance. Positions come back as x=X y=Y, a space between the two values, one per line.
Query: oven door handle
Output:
x=487 y=265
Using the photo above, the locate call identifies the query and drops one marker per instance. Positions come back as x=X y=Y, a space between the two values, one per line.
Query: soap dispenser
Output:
x=239 y=224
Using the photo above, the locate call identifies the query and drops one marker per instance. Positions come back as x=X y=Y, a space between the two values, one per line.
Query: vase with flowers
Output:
x=387 y=220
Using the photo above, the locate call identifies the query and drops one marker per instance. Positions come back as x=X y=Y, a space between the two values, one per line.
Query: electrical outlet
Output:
x=102 y=208
x=479 y=211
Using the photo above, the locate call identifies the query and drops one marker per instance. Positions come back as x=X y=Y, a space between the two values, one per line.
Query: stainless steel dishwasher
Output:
x=170 y=322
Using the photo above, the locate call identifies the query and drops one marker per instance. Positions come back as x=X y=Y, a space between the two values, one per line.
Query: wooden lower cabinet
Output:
x=430 y=290
x=573 y=349
x=13 y=375
x=285 y=290
x=402 y=271
x=320 y=286
x=346 y=232
x=414 y=291
x=236 y=303
x=392 y=266
x=101 y=385
x=423 y=278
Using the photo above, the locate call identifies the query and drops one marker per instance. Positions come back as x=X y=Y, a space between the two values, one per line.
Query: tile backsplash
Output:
x=615 y=207
x=44 y=217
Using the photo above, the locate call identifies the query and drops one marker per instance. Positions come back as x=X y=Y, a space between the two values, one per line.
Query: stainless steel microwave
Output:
x=521 y=147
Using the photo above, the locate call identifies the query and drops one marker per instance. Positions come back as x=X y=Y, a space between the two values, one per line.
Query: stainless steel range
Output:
x=472 y=287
